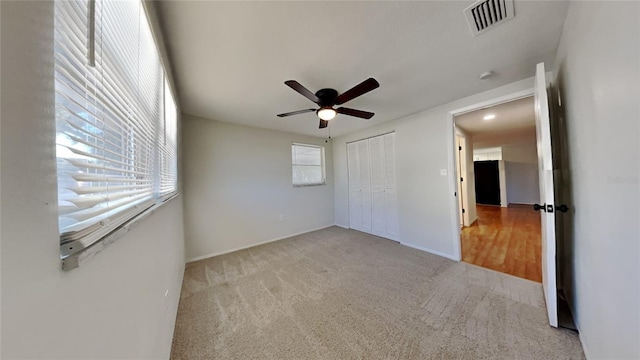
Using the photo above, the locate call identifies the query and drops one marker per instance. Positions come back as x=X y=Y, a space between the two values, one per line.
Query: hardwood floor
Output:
x=506 y=240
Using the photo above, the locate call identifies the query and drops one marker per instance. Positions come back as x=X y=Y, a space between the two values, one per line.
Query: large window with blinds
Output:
x=116 y=120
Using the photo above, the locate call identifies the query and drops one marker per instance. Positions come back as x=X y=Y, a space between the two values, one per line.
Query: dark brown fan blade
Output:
x=302 y=90
x=354 y=112
x=323 y=124
x=296 y=112
x=362 y=88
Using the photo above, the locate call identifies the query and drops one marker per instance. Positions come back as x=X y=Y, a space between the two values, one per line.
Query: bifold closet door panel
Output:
x=367 y=204
x=355 y=210
x=355 y=198
x=353 y=167
x=391 y=214
x=373 y=202
x=379 y=221
x=364 y=163
x=391 y=195
x=378 y=171
x=390 y=160
x=378 y=175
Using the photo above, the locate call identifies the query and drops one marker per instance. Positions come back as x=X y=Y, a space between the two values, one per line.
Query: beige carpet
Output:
x=342 y=294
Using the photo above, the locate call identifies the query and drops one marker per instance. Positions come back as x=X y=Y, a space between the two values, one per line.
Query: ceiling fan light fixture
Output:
x=326 y=113
x=328 y=98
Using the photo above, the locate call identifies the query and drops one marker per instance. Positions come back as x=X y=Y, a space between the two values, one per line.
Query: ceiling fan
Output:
x=328 y=98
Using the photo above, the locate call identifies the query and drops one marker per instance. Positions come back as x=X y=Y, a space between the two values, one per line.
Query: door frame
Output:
x=453 y=149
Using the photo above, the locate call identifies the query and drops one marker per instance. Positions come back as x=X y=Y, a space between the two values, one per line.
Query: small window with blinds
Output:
x=308 y=165
x=116 y=121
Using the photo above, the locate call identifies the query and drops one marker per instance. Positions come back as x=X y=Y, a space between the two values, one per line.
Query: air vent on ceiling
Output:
x=485 y=14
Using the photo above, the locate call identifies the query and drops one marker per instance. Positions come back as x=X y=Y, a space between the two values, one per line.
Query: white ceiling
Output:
x=514 y=123
x=231 y=59
x=511 y=115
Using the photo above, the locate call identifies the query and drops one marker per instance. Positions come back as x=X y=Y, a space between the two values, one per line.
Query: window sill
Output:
x=307 y=185
x=75 y=259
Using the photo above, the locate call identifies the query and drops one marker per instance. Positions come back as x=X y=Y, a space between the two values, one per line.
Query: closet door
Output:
x=364 y=166
x=373 y=202
x=378 y=180
x=355 y=198
x=391 y=195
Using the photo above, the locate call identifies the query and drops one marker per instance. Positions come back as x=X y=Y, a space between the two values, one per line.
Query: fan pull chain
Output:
x=329 y=132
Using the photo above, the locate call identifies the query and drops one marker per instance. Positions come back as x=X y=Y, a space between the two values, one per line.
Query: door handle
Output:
x=548 y=208
x=562 y=208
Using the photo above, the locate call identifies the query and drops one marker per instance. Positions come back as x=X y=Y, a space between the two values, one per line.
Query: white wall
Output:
x=113 y=306
x=522 y=182
x=525 y=152
x=598 y=67
x=237 y=181
x=521 y=166
x=503 y=138
x=424 y=146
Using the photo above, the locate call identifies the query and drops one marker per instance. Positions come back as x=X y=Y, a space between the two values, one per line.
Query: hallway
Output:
x=506 y=240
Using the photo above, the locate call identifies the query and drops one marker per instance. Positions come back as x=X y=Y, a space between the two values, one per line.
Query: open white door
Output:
x=547 y=209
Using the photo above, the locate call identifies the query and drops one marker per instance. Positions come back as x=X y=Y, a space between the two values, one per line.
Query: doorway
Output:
x=503 y=232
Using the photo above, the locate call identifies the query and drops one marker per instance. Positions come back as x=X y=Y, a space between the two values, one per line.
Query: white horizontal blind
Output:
x=168 y=154
x=109 y=117
x=308 y=164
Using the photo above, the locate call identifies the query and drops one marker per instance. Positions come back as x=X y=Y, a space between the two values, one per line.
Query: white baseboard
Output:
x=434 y=252
x=255 y=244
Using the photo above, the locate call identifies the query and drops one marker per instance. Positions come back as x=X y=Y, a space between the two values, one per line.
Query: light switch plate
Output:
x=443 y=172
